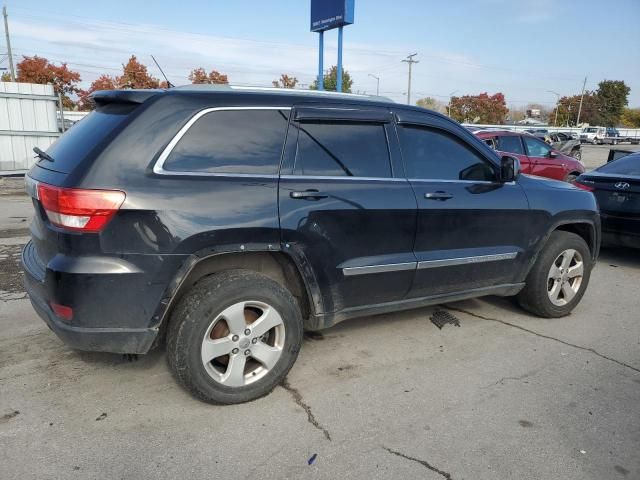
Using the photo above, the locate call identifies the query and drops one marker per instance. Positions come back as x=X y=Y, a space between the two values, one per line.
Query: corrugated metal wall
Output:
x=27 y=119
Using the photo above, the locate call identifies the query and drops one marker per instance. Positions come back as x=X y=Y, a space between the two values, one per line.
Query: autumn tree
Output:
x=630 y=118
x=331 y=81
x=200 y=76
x=39 y=70
x=481 y=108
x=285 y=81
x=431 y=104
x=568 y=108
x=135 y=75
x=612 y=96
x=103 y=82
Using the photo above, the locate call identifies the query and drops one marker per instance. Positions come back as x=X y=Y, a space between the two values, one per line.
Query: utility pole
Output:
x=410 y=61
x=581 y=97
x=377 y=83
x=6 y=32
x=555 y=122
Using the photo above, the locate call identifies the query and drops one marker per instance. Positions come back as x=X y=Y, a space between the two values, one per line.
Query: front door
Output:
x=346 y=209
x=543 y=163
x=472 y=229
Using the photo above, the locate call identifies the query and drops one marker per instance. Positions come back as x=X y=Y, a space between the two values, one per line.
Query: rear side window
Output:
x=510 y=144
x=231 y=141
x=90 y=132
x=342 y=149
x=629 y=165
x=432 y=154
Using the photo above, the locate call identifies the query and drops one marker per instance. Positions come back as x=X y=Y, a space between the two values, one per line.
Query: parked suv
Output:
x=228 y=220
x=535 y=156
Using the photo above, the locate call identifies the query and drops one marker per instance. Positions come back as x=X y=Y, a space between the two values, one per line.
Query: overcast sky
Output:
x=523 y=48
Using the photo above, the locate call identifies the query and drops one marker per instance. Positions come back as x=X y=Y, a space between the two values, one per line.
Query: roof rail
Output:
x=286 y=91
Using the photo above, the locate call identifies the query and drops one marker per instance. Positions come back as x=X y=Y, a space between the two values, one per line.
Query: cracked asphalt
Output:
x=504 y=396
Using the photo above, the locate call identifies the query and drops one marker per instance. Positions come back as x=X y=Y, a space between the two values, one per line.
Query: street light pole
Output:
x=377 y=83
x=555 y=122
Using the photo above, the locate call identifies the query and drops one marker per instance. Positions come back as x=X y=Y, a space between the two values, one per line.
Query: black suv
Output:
x=228 y=220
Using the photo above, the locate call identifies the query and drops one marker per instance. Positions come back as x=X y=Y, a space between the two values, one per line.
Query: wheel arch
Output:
x=274 y=264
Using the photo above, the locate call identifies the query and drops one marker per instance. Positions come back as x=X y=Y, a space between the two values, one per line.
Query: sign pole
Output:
x=339 y=74
x=320 y=61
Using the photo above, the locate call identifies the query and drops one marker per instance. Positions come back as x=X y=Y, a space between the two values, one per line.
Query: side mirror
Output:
x=509 y=168
x=552 y=154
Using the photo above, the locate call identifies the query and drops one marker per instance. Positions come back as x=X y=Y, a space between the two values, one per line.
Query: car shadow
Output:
x=620 y=256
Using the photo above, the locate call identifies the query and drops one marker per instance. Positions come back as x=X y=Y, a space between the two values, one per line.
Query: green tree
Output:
x=331 y=81
x=5 y=77
x=630 y=118
x=483 y=108
x=612 y=96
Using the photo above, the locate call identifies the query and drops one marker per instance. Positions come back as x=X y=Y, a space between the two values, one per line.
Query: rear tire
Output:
x=559 y=278
x=216 y=347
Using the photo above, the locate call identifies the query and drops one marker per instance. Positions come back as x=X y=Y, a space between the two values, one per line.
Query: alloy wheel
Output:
x=243 y=343
x=565 y=277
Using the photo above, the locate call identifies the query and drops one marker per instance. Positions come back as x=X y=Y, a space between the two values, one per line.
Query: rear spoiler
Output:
x=104 y=97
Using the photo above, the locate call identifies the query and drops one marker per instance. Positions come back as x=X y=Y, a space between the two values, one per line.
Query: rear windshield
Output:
x=629 y=165
x=77 y=142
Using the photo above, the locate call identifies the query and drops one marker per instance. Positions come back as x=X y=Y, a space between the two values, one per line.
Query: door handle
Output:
x=439 y=195
x=308 y=194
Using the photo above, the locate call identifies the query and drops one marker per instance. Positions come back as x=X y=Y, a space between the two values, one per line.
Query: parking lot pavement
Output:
x=595 y=155
x=505 y=395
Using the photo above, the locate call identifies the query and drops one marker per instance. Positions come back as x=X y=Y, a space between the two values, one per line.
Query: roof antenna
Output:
x=169 y=84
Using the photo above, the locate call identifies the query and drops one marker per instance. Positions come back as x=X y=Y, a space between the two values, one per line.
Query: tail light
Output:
x=583 y=186
x=78 y=209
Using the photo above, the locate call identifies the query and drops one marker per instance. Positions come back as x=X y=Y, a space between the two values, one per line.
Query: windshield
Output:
x=629 y=165
x=77 y=142
x=590 y=130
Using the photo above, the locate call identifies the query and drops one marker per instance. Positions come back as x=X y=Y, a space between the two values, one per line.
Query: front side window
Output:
x=232 y=141
x=535 y=147
x=437 y=155
x=342 y=149
x=510 y=144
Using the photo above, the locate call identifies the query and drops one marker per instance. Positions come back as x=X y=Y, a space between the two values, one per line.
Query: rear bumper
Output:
x=110 y=339
x=623 y=231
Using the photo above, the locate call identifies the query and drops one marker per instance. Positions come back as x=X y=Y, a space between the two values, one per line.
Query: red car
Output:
x=536 y=157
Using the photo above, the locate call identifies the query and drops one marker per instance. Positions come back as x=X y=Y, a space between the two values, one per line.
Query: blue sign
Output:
x=328 y=14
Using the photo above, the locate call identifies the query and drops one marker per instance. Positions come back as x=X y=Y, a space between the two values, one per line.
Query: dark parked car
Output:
x=536 y=157
x=616 y=186
x=565 y=143
x=228 y=220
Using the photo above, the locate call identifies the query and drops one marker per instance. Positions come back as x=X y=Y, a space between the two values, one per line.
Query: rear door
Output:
x=542 y=164
x=472 y=229
x=512 y=145
x=346 y=210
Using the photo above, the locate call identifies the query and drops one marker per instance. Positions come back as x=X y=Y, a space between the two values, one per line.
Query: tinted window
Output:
x=342 y=149
x=510 y=144
x=72 y=147
x=232 y=141
x=629 y=165
x=434 y=154
x=535 y=147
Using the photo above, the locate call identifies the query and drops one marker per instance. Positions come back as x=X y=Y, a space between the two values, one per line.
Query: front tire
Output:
x=559 y=278
x=234 y=337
